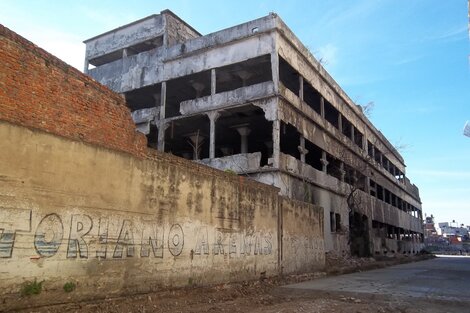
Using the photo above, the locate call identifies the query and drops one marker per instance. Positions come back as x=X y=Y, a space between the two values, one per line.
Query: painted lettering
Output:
x=13 y=220
x=125 y=241
x=176 y=240
x=49 y=235
x=219 y=243
x=152 y=239
x=102 y=238
x=202 y=242
x=80 y=226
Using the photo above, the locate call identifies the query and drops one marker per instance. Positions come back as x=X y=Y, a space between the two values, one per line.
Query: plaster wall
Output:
x=115 y=224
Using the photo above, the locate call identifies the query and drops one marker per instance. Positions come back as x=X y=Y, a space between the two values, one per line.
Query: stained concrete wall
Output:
x=82 y=200
x=114 y=223
x=302 y=238
x=125 y=36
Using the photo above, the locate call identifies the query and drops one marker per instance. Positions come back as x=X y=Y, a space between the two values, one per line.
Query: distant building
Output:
x=252 y=99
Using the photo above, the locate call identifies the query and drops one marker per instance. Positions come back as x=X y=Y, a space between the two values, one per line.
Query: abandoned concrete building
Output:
x=252 y=99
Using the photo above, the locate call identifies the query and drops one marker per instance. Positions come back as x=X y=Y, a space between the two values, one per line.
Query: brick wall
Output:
x=37 y=90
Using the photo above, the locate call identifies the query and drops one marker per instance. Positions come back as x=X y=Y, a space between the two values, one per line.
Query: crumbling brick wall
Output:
x=37 y=90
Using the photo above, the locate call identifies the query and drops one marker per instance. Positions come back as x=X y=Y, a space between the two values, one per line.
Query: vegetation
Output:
x=69 y=286
x=31 y=288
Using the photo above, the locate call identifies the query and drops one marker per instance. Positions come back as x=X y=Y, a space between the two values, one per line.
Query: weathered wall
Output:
x=83 y=201
x=177 y=31
x=114 y=223
x=302 y=237
x=40 y=91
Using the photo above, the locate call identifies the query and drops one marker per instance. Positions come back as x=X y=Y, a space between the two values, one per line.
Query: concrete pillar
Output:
x=213 y=82
x=85 y=67
x=276 y=143
x=302 y=150
x=275 y=70
x=198 y=87
x=162 y=101
x=342 y=172
x=324 y=162
x=213 y=116
x=301 y=87
x=161 y=135
x=244 y=132
x=322 y=107
x=162 y=126
x=352 y=133
x=340 y=122
x=196 y=142
x=367 y=186
x=124 y=53
x=244 y=76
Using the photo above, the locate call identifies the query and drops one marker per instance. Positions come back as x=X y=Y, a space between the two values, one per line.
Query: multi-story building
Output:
x=253 y=100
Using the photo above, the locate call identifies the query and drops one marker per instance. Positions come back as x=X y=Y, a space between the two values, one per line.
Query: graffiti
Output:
x=202 y=242
x=102 y=248
x=176 y=240
x=49 y=235
x=233 y=243
x=125 y=241
x=152 y=240
x=80 y=226
x=218 y=245
x=12 y=221
x=115 y=237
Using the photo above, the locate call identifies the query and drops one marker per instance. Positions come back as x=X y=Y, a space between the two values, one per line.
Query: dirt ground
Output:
x=265 y=296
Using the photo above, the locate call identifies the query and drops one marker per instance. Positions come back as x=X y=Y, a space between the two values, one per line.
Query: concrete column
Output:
x=301 y=87
x=213 y=82
x=85 y=67
x=352 y=133
x=342 y=172
x=124 y=53
x=367 y=186
x=322 y=107
x=276 y=143
x=302 y=150
x=162 y=126
x=196 y=142
x=324 y=162
x=213 y=116
x=161 y=135
x=275 y=70
x=198 y=87
x=162 y=101
x=340 y=122
x=244 y=132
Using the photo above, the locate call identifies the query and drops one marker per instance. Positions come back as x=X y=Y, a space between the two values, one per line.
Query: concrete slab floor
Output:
x=443 y=278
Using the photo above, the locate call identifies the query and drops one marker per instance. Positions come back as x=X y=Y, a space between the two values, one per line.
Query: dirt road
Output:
x=427 y=286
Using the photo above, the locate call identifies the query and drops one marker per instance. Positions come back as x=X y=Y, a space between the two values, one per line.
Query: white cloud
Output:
x=328 y=55
x=450 y=34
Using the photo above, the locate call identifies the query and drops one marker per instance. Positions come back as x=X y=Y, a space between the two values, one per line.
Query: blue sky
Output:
x=411 y=58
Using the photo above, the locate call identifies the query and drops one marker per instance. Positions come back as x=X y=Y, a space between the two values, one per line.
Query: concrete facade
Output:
x=253 y=100
x=83 y=201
